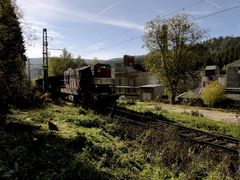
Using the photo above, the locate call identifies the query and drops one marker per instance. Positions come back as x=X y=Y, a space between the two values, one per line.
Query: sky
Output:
x=106 y=29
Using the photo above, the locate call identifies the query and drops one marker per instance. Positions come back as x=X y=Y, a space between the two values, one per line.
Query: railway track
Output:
x=212 y=139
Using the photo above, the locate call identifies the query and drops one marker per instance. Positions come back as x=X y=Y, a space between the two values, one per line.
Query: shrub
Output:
x=213 y=93
x=89 y=123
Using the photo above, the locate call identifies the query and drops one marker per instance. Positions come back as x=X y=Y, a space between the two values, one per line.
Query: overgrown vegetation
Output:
x=57 y=65
x=221 y=51
x=89 y=146
x=213 y=93
x=193 y=119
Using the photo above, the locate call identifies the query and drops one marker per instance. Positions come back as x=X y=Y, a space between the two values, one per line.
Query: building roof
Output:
x=80 y=69
x=128 y=87
x=150 y=86
x=190 y=95
x=235 y=97
x=212 y=67
x=234 y=64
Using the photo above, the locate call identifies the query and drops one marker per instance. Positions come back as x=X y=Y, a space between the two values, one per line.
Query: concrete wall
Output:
x=128 y=80
x=221 y=78
x=151 y=93
x=233 y=77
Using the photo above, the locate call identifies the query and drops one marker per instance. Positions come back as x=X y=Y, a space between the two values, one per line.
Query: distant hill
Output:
x=36 y=60
x=114 y=61
x=138 y=60
x=36 y=67
x=221 y=51
x=36 y=64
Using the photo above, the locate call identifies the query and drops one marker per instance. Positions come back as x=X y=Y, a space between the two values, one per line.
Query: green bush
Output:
x=213 y=93
x=89 y=123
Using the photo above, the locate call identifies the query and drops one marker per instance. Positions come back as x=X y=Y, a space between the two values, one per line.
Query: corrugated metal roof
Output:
x=190 y=95
x=84 y=67
x=235 y=97
x=150 y=86
x=212 y=67
x=234 y=64
x=79 y=69
x=128 y=87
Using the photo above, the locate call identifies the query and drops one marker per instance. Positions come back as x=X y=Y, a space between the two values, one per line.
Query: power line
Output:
x=123 y=42
x=116 y=44
x=184 y=8
x=217 y=12
x=104 y=39
x=55 y=49
x=123 y=32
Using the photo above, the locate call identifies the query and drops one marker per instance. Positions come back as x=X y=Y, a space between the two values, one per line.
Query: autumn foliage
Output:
x=212 y=93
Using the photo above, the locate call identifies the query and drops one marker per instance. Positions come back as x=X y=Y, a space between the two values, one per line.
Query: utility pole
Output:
x=45 y=60
x=29 y=72
x=238 y=119
x=238 y=127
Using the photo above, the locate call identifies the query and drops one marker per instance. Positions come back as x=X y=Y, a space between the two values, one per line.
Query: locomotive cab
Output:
x=103 y=82
x=89 y=84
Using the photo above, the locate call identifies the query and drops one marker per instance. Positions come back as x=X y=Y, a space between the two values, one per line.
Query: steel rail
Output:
x=203 y=137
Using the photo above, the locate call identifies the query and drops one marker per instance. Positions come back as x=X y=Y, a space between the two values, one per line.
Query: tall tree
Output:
x=12 y=50
x=57 y=65
x=173 y=45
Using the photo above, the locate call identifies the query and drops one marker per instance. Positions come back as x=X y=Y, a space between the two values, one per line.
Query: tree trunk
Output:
x=172 y=100
x=173 y=96
x=3 y=112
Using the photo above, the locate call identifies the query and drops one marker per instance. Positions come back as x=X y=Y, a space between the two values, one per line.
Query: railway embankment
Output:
x=214 y=114
x=93 y=146
x=195 y=117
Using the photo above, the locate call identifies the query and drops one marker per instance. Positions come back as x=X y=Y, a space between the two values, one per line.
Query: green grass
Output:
x=85 y=147
x=191 y=121
x=91 y=147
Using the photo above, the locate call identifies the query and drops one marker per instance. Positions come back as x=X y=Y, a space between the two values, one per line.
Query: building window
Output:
x=119 y=82
x=132 y=81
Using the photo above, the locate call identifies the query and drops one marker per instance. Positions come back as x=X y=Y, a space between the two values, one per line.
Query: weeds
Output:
x=89 y=146
x=194 y=113
x=194 y=119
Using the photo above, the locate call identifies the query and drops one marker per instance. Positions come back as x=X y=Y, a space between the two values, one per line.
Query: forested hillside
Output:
x=222 y=50
x=218 y=51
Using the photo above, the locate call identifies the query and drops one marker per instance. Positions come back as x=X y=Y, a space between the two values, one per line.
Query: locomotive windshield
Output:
x=102 y=71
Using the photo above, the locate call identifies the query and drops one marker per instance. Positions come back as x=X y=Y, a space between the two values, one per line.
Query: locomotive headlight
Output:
x=110 y=86
x=96 y=86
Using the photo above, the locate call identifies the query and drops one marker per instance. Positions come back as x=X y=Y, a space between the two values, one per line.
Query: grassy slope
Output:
x=85 y=147
x=93 y=147
x=191 y=121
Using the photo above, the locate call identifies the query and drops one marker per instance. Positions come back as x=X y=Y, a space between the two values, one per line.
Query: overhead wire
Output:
x=115 y=44
x=217 y=12
x=171 y=13
x=184 y=8
x=104 y=39
x=195 y=19
x=123 y=32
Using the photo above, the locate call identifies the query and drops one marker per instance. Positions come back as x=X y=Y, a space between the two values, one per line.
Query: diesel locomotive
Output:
x=89 y=85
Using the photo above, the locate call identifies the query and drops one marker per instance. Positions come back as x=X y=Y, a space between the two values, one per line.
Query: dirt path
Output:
x=227 y=117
